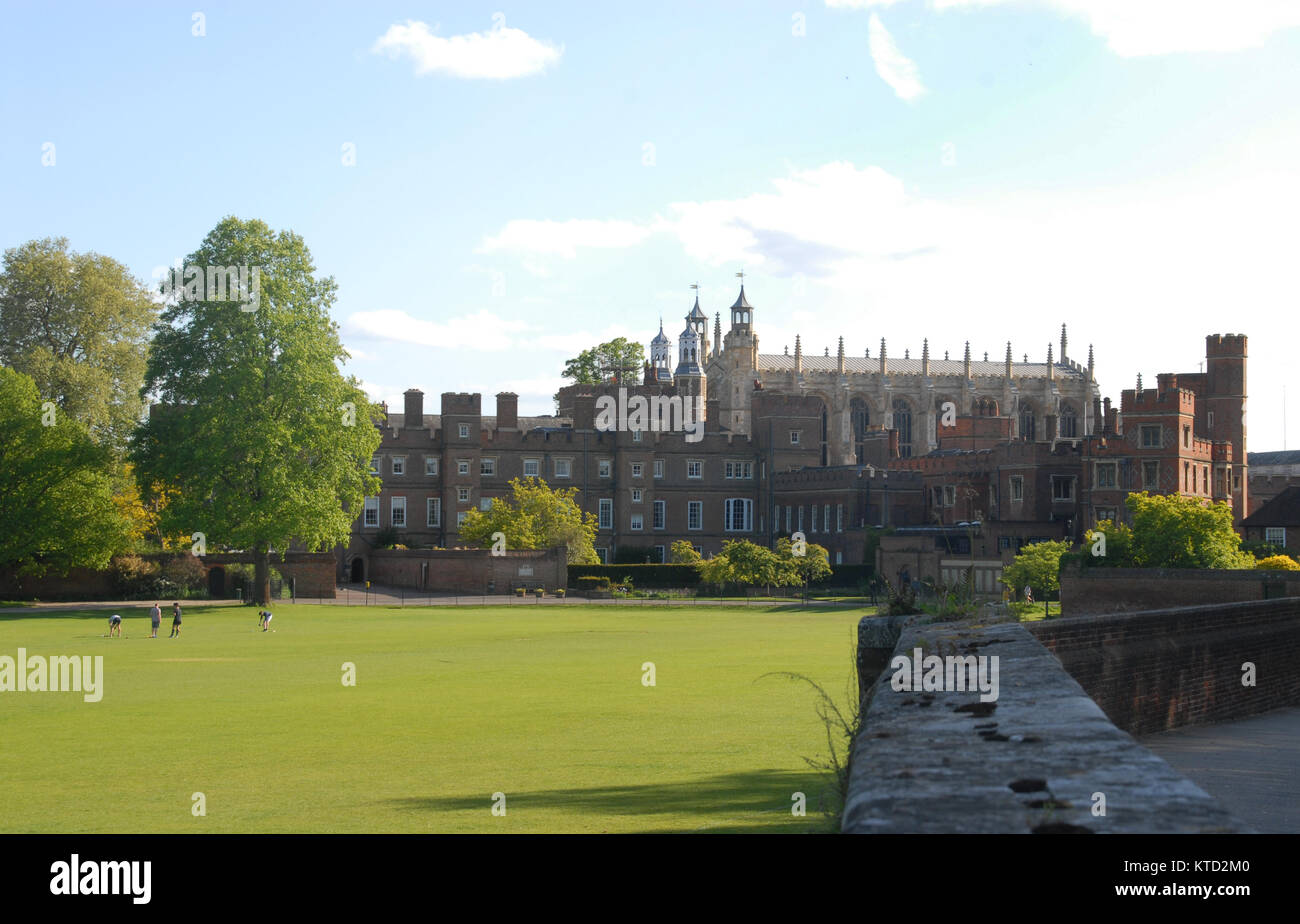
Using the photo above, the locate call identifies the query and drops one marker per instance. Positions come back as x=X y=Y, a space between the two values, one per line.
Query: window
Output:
x=562 y=467
x=636 y=436
x=485 y=504
x=636 y=495
x=839 y=518
x=1027 y=424
x=431 y=465
x=605 y=515
x=1275 y=535
x=699 y=550
x=462 y=466
x=1106 y=474
x=604 y=468
x=694 y=468
x=903 y=424
x=1062 y=488
x=695 y=514
x=636 y=469
x=1150 y=437
x=374 y=465
x=659 y=468
x=740 y=469
x=826 y=518
x=1069 y=422
x=950 y=495
x=397 y=512
x=739 y=515
x=1187 y=437
x=1209 y=420
x=372 y=512
x=532 y=468
x=487 y=466
x=433 y=511
x=1105 y=513
x=1004 y=543
x=602 y=553
x=1017 y=488
x=787 y=518
x=839 y=557
x=801 y=518
x=794 y=437
x=399 y=465
x=658 y=557
x=1151 y=476
x=660 y=514
x=936 y=496
x=814 y=519
x=462 y=495
x=460 y=518
x=464 y=431
x=637 y=521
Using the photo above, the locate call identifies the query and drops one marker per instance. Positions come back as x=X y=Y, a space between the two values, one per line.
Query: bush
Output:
x=642 y=575
x=387 y=538
x=590 y=583
x=186 y=571
x=134 y=576
x=1277 y=563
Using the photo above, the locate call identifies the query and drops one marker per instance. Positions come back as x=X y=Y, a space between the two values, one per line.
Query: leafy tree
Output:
x=682 y=552
x=1118 y=545
x=812 y=565
x=78 y=324
x=743 y=563
x=536 y=516
x=56 y=491
x=1038 y=566
x=1181 y=532
x=260 y=437
x=618 y=360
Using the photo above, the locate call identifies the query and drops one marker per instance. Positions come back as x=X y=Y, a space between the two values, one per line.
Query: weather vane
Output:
x=741 y=276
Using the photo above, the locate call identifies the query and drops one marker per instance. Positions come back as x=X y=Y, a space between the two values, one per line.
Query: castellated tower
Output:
x=732 y=374
x=1225 y=407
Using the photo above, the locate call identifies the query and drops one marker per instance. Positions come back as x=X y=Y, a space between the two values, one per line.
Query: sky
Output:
x=495 y=188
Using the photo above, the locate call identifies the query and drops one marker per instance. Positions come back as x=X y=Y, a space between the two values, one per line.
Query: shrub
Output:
x=133 y=576
x=1277 y=563
x=642 y=575
x=186 y=571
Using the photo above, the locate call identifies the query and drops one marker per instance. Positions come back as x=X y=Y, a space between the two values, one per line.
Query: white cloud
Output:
x=498 y=54
x=1134 y=28
x=482 y=330
x=894 y=67
x=563 y=238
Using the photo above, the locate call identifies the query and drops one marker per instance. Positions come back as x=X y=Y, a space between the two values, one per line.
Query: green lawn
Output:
x=451 y=705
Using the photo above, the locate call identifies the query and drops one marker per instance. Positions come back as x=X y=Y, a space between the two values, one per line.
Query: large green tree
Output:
x=56 y=498
x=1038 y=566
x=1169 y=531
x=78 y=324
x=257 y=437
x=618 y=360
x=535 y=516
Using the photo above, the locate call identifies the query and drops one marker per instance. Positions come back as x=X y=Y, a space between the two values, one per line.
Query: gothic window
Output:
x=1069 y=422
x=903 y=424
x=860 y=419
x=1027 y=423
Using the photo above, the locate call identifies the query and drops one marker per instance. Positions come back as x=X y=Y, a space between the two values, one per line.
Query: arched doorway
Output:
x=358 y=570
x=217 y=582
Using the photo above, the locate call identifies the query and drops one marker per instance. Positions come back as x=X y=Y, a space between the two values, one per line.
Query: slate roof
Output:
x=1283 y=510
x=780 y=362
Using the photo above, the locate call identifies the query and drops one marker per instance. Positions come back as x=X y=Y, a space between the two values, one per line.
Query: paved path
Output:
x=1252 y=766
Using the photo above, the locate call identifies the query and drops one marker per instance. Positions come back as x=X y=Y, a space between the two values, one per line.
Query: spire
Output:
x=1051 y=368
x=966 y=360
x=798 y=355
x=1008 y=359
x=1090 y=378
x=840 y=357
x=925 y=356
x=1063 y=353
x=884 y=362
x=1139 y=388
x=717 y=334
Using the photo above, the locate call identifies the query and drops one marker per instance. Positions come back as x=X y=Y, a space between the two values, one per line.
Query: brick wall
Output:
x=469 y=570
x=1089 y=591
x=1162 y=669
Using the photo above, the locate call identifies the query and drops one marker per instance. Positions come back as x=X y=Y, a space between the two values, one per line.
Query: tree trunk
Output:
x=262 y=575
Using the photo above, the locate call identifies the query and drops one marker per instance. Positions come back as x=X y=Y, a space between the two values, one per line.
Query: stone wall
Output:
x=1156 y=670
x=1086 y=591
x=1031 y=761
x=474 y=571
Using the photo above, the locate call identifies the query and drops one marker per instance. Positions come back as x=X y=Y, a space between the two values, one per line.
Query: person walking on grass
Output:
x=176 y=621
x=115 y=626
x=155 y=620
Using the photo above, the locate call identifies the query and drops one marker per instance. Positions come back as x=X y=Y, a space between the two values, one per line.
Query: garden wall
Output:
x=1089 y=590
x=475 y=571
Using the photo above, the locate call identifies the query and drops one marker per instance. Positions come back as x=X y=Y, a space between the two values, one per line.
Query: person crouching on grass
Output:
x=264 y=622
x=176 y=621
x=115 y=626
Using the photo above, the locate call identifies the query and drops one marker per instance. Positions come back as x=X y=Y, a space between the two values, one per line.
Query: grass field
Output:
x=451 y=705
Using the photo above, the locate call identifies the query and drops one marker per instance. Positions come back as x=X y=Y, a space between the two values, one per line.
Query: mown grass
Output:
x=451 y=705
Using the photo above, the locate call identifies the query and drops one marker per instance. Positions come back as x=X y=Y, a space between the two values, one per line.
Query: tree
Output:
x=536 y=516
x=1181 y=532
x=813 y=565
x=1109 y=544
x=258 y=435
x=78 y=324
x=744 y=563
x=618 y=360
x=1037 y=566
x=682 y=552
x=56 y=491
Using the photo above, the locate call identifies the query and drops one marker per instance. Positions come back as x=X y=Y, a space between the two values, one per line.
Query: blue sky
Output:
x=531 y=180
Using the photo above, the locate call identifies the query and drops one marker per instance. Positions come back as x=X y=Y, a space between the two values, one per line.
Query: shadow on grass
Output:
x=750 y=801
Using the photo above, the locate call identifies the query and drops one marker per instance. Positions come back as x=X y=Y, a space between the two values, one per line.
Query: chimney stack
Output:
x=507 y=410
x=414 y=416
